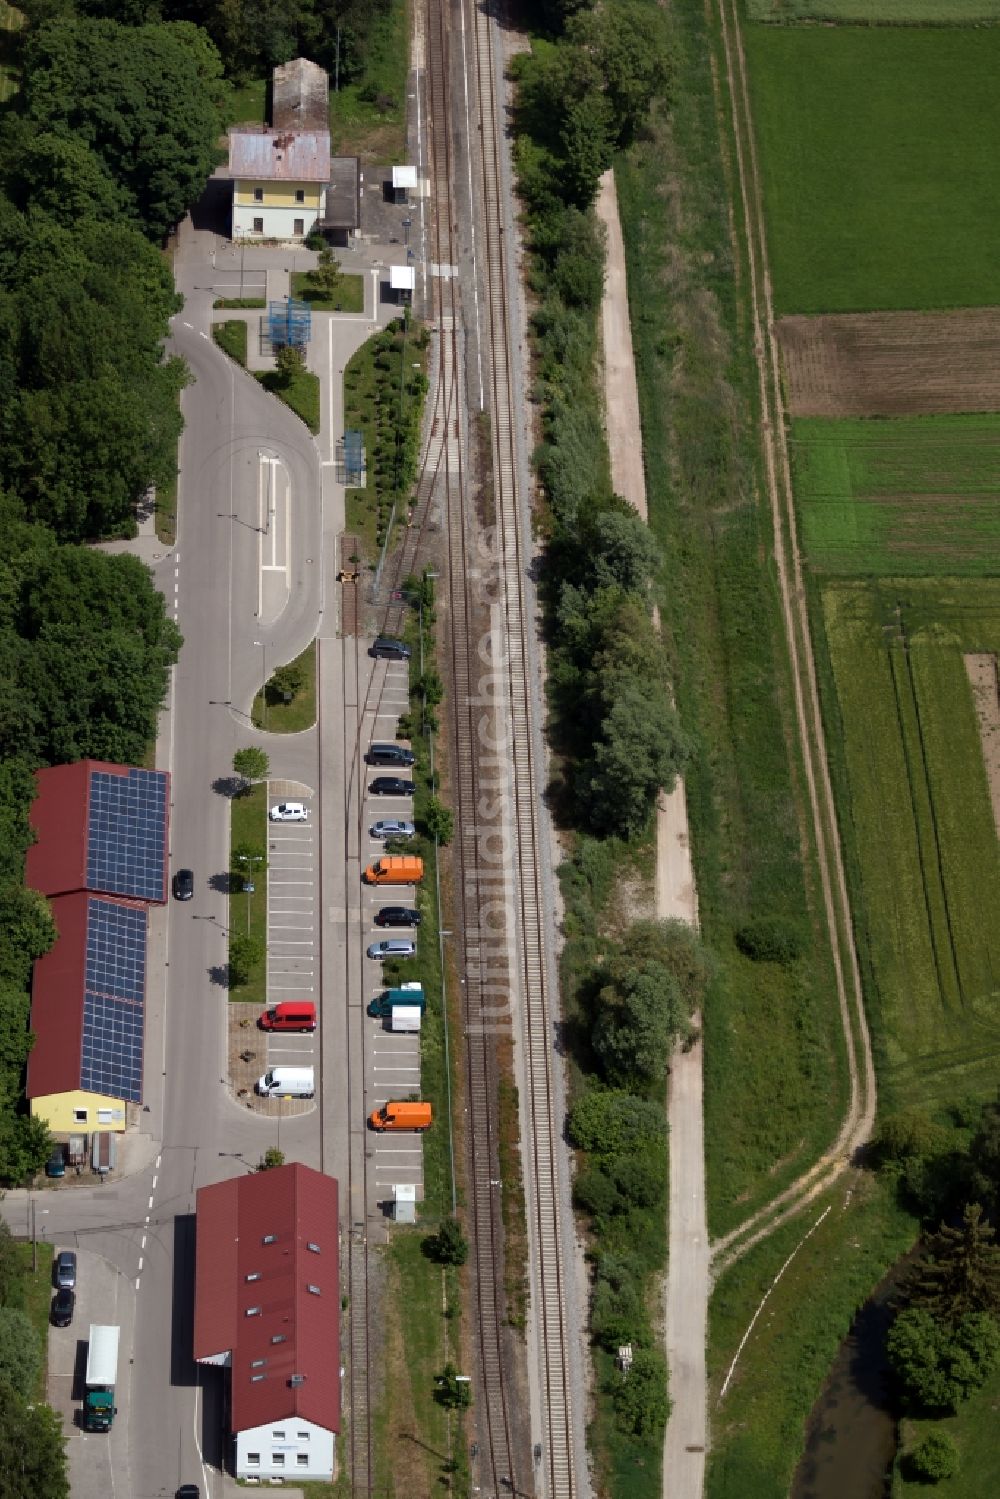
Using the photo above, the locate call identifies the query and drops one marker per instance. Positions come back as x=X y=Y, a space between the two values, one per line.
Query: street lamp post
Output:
x=248 y=884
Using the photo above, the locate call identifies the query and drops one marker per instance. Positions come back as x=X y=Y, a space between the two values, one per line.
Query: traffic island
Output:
x=247 y=1049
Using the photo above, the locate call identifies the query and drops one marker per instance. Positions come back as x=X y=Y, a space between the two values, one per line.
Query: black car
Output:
x=184 y=884
x=63 y=1307
x=188 y=1491
x=391 y=786
x=397 y=916
x=389 y=754
x=385 y=649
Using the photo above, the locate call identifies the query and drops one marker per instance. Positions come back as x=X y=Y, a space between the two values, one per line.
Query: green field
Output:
x=896 y=12
x=927 y=886
x=881 y=177
x=911 y=495
x=974 y=1431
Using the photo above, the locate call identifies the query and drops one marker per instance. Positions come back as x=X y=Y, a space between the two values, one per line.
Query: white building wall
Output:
x=278 y=220
x=280 y=1447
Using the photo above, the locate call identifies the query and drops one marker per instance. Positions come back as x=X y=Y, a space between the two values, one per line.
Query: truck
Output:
x=99 y=1409
x=409 y=996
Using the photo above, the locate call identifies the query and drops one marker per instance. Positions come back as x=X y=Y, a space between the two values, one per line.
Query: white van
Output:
x=287 y=1082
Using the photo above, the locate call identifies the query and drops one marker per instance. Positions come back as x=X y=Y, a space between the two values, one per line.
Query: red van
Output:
x=290 y=1015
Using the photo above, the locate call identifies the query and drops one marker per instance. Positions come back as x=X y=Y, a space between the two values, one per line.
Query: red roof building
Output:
x=100 y=827
x=267 y=1306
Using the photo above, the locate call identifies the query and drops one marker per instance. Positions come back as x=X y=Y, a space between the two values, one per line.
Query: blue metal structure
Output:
x=289 y=322
x=127 y=834
x=354 y=457
x=114 y=1000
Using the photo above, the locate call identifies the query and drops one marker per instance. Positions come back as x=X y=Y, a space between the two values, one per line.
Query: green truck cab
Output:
x=409 y=995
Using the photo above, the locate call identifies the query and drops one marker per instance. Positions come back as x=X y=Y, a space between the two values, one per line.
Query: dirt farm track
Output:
x=892 y=363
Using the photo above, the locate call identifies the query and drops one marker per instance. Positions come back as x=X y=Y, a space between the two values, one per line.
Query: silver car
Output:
x=66 y=1270
x=393 y=947
x=392 y=827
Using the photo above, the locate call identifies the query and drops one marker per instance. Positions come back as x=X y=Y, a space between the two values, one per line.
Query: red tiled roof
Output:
x=281 y=1228
x=57 y=1002
x=57 y=862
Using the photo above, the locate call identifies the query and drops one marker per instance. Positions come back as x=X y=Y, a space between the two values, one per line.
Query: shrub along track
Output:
x=860 y=1115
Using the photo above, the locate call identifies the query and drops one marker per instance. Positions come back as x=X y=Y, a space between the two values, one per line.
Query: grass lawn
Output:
x=300 y=713
x=368 y=116
x=774 y=1069
x=974 y=1431
x=350 y=295
x=880 y=179
x=944 y=12
x=248 y=104
x=757 y=1431
x=249 y=825
x=34 y=1295
x=301 y=393
x=165 y=518
x=910 y=495
x=925 y=859
x=231 y=337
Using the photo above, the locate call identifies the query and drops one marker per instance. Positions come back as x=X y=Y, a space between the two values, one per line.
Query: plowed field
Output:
x=892 y=363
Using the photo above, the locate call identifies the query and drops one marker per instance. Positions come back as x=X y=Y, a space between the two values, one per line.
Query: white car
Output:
x=392 y=827
x=289 y=812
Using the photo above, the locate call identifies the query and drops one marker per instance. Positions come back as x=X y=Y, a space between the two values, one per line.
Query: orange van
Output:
x=290 y=1015
x=395 y=869
x=391 y=1115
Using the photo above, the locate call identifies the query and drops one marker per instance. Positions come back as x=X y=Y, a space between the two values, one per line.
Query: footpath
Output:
x=688 y=1276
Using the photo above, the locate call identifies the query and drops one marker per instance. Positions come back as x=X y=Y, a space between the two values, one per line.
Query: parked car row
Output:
x=64 y=1281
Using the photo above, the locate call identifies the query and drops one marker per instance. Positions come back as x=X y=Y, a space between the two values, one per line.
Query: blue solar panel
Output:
x=114 y=1000
x=127 y=833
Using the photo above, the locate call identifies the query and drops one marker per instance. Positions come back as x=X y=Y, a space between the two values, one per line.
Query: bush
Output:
x=608 y=1121
x=640 y=1396
x=440 y=821
x=937 y=1364
x=448 y=1246
x=935 y=1458
x=771 y=939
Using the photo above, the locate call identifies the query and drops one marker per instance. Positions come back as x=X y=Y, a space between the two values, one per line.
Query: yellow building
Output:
x=280 y=178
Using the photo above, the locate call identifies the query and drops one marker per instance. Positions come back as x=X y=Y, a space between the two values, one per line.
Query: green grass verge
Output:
x=300 y=713
x=974 y=1431
x=368 y=116
x=249 y=825
x=165 y=518
x=372 y=405
x=245 y=304
x=248 y=103
x=894 y=12
x=910 y=495
x=301 y=394
x=774 y=1070
x=231 y=338
x=757 y=1431
x=33 y=1295
x=904 y=743
x=879 y=173
x=350 y=295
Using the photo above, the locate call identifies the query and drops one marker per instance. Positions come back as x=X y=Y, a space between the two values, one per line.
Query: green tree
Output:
x=960 y=1272
x=10 y=1267
x=586 y=138
x=252 y=764
x=60 y=175
x=448 y=1246
x=640 y=1396
x=326 y=276
x=608 y=1121
x=934 y=1458
x=289 y=362
x=429 y=687
x=271 y=1158
x=440 y=821
x=938 y=1364
x=618 y=1312
x=20 y=1351
x=245 y=951
x=28 y=932
x=654 y=982
x=248 y=859
x=451 y=1390
x=140 y=96
x=984 y=1154
x=32 y=1449
x=631 y=45
x=621 y=551
x=25 y=1146
x=289 y=678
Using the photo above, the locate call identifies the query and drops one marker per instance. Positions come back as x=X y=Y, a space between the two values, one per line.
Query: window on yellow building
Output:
x=300 y=195
x=258 y=195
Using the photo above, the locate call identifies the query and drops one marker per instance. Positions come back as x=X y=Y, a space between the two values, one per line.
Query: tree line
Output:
x=582 y=96
x=108 y=139
x=252 y=35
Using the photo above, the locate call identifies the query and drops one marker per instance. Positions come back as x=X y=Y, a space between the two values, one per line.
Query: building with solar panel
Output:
x=101 y=857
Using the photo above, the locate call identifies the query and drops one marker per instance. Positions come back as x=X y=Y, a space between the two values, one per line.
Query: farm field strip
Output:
x=880 y=174
x=927 y=853
x=892 y=363
x=914 y=495
x=895 y=12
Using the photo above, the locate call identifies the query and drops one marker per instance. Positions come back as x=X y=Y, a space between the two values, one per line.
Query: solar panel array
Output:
x=127 y=834
x=114 y=1000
